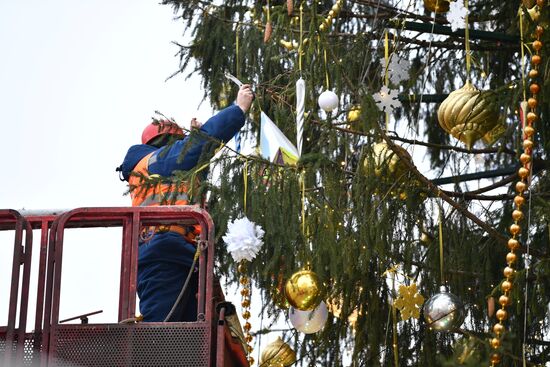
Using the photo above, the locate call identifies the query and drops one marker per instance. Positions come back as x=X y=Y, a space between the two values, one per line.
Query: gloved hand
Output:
x=245 y=97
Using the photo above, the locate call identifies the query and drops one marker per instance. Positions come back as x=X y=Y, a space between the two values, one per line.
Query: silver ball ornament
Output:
x=328 y=100
x=444 y=311
x=309 y=322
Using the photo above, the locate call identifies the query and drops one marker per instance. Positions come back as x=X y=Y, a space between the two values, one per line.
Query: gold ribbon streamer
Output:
x=301 y=38
x=245 y=178
x=326 y=67
x=303 y=189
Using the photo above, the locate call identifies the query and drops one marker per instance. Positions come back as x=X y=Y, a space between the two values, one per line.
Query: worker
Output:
x=165 y=253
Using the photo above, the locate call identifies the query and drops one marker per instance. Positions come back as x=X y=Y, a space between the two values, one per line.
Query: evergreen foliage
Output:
x=358 y=224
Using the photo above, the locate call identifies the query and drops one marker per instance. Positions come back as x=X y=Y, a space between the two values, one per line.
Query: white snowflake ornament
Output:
x=386 y=99
x=398 y=70
x=243 y=239
x=457 y=15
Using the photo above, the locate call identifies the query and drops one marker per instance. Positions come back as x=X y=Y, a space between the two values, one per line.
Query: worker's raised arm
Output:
x=222 y=126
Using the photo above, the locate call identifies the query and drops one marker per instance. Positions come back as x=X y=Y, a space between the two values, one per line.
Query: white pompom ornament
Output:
x=328 y=100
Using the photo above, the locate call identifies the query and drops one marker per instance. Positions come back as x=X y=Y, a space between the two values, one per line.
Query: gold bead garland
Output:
x=519 y=200
x=332 y=14
x=245 y=303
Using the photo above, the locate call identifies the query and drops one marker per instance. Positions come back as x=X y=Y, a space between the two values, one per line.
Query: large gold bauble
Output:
x=468 y=114
x=386 y=162
x=438 y=6
x=304 y=290
x=277 y=354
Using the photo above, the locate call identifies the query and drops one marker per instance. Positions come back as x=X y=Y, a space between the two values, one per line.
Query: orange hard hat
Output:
x=160 y=127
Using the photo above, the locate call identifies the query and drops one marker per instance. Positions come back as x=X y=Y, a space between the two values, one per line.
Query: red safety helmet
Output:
x=158 y=128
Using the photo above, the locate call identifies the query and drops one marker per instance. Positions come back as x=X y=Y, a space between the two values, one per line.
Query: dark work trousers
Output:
x=164 y=262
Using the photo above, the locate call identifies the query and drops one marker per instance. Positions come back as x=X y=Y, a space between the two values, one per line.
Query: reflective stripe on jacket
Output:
x=149 y=194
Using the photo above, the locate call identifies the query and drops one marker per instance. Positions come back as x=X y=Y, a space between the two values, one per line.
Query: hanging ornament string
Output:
x=387 y=61
x=394 y=320
x=442 y=274
x=467 y=41
x=521 y=187
x=523 y=80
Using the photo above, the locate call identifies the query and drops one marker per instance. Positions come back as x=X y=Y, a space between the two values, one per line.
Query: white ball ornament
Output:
x=328 y=100
x=309 y=322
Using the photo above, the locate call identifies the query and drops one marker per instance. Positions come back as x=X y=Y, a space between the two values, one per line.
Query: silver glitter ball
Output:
x=444 y=311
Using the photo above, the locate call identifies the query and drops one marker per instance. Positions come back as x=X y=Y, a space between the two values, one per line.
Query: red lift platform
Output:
x=207 y=342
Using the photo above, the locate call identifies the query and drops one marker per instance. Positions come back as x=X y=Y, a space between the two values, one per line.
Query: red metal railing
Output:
x=142 y=344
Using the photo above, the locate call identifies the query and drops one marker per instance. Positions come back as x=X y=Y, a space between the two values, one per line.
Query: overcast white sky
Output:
x=78 y=82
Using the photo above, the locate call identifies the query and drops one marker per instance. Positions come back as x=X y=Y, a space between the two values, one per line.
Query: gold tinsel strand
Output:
x=521 y=186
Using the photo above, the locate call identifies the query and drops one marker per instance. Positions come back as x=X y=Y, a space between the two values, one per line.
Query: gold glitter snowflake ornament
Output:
x=409 y=301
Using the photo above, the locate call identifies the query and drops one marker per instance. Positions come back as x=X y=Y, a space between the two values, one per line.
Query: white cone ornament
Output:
x=309 y=322
x=444 y=311
x=328 y=101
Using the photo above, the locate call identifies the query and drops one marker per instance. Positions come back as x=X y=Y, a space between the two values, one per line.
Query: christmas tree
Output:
x=430 y=171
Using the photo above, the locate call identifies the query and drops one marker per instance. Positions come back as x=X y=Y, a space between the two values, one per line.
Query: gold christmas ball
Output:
x=529 y=131
x=524 y=158
x=495 y=343
x=506 y=285
x=498 y=329
x=250 y=361
x=523 y=172
x=332 y=13
x=517 y=215
x=535 y=59
x=533 y=73
x=537 y=45
x=336 y=8
x=495 y=358
x=508 y=272
x=514 y=229
x=511 y=258
x=501 y=314
x=304 y=290
x=322 y=27
x=385 y=161
x=521 y=186
x=504 y=300
x=247 y=326
x=531 y=117
x=534 y=88
x=519 y=200
x=539 y=30
x=468 y=114
x=277 y=354
x=513 y=244
x=438 y=6
x=527 y=144
x=354 y=114
x=245 y=292
x=532 y=102
x=246 y=315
